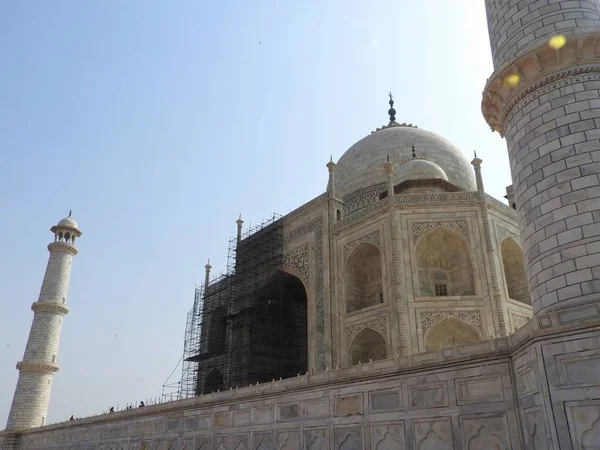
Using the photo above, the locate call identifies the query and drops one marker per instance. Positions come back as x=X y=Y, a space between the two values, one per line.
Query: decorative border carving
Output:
x=430 y=201
x=297 y=259
x=316 y=227
x=371 y=238
x=363 y=197
x=429 y=319
x=379 y=325
x=517 y=321
x=420 y=228
x=502 y=233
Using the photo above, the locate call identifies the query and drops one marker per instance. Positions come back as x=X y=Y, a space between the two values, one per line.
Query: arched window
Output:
x=449 y=333
x=368 y=345
x=444 y=265
x=363 y=278
x=214 y=381
x=514 y=271
x=217 y=330
x=338 y=214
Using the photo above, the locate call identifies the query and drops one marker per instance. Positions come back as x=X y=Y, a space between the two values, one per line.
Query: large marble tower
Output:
x=32 y=395
x=544 y=98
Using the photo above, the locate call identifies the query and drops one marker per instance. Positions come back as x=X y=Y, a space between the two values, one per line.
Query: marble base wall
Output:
x=532 y=390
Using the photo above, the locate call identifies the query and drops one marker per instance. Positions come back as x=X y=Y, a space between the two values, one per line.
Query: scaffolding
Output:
x=248 y=325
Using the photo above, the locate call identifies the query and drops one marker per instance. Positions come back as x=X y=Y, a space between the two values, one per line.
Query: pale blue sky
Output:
x=158 y=122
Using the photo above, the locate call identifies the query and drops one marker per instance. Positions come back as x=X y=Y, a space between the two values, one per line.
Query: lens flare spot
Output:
x=557 y=42
x=513 y=79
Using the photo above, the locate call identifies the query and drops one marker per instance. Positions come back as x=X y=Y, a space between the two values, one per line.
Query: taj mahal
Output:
x=402 y=308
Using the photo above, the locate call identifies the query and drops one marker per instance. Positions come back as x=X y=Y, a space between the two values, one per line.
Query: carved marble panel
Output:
x=263 y=440
x=348 y=405
x=527 y=379
x=584 y=424
x=428 y=395
x=388 y=435
x=432 y=434
x=379 y=325
x=202 y=443
x=371 y=238
x=288 y=440
x=485 y=431
x=316 y=438
x=578 y=369
x=288 y=412
x=349 y=437
x=535 y=432
x=429 y=319
x=385 y=400
x=315 y=409
x=240 y=441
x=420 y=228
x=502 y=233
x=262 y=415
x=222 y=419
x=516 y=320
x=241 y=418
x=482 y=389
x=297 y=260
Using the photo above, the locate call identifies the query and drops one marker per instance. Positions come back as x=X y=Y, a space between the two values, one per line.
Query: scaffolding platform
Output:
x=249 y=324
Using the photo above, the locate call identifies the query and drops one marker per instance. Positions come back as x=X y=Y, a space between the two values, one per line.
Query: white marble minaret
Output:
x=32 y=395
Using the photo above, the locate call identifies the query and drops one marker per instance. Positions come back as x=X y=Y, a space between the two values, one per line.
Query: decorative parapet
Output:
x=538 y=72
x=38 y=367
x=50 y=307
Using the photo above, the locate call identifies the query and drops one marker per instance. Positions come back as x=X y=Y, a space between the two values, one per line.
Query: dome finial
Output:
x=414 y=154
x=70 y=211
x=392 y=111
x=475 y=153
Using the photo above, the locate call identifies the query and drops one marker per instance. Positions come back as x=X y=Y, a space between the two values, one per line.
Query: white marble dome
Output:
x=362 y=164
x=68 y=222
x=420 y=169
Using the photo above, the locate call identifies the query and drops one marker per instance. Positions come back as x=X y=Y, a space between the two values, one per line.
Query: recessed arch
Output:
x=450 y=332
x=368 y=345
x=514 y=271
x=363 y=278
x=444 y=264
x=276 y=331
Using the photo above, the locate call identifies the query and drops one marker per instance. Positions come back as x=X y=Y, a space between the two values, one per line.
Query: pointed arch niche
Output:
x=444 y=265
x=514 y=271
x=449 y=332
x=368 y=345
x=363 y=278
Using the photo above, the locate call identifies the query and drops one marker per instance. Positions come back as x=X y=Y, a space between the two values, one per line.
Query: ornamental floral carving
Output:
x=429 y=319
x=297 y=260
x=517 y=321
x=379 y=325
x=420 y=228
x=502 y=233
x=371 y=238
